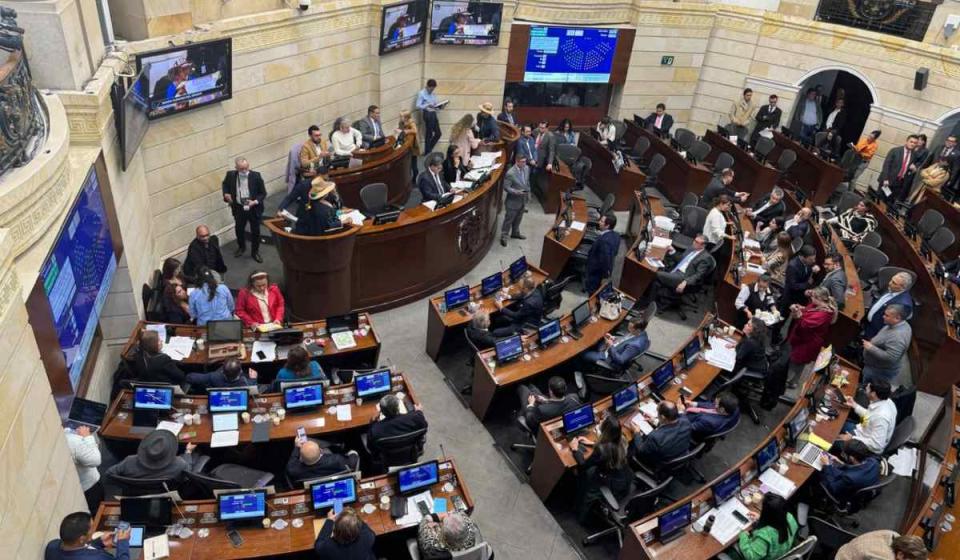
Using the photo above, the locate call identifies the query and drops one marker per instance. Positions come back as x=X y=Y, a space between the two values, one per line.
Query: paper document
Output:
x=905 y=461
x=474 y=174
x=462 y=185
x=344 y=413
x=578 y=226
x=751 y=244
x=178 y=348
x=156 y=548
x=655 y=263
x=756 y=269
x=354 y=217
x=777 y=483
x=225 y=439
x=725 y=525
x=268 y=348
x=664 y=223
x=430 y=204
x=173 y=427
x=661 y=242
x=641 y=424
x=288 y=216
x=225 y=422
x=161 y=330
x=343 y=340
x=413 y=515
x=649 y=408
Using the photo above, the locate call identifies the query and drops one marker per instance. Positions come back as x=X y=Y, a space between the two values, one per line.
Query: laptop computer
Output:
x=88 y=413
x=224 y=338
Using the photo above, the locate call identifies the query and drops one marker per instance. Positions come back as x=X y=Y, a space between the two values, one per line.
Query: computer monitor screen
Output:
x=222 y=400
x=243 y=505
x=186 y=77
x=674 y=521
x=663 y=375
x=136 y=536
x=303 y=396
x=578 y=419
x=798 y=424
x=403 y=25
x=691 y=351
x=518 y=268
x=491 y=284
x=509 y=349
x=581 y=314
x=625 y=398
x=549 y=333
x=767 y=456
x=418 y=476
x=456 y=297
x=372 y=384
x=348 y=322
x=152 y=512
x=570 y=54
x=153 y=398
x=228 y=330
x=726 y=488
x=462 y=22
x=87 y=412
x=341 y=489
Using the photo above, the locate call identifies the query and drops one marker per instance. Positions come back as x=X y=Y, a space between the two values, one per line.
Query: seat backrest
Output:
x=818 y=137
x=641 y=146
x=209 y=483
x=690 y=199
x=787 y=157
x=796 y=244
x=887 y=272
x=710 y=441
x=414 y=199
x=801 y=551
x=480 y=551
x=941 y=240
x=869 y=261
x=642 y=503
x=568 y=153
x=403 y=449
x=866 y=495
x=901 y=434
x=656 y=165
x=724 y=160
x=829 y=536
x=684 y=138
x=872 y=239
x=374 y=197
x=764 y=146
x=698 y=150
x=847 y=201
x=608 y=202
x=930 y=222
x=621 y=129
x=678 y=463
x=692 y=220
x=142 y=486
x=849 y=159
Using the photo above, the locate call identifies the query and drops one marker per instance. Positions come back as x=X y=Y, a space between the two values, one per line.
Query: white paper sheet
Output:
x=225 y=439
x=905 y=461
x=641 y=424
x=268 y=348
x=344 y=413
x=173 y=427
x=288 y=216
x=343 y=340
x=664 y=222
x=156 y=548
x=355 y=217
x=179 y=347
x=661 y=242
x=430 y=204
x=655 y=263
x=413 y=515
x=161 y=330
x=751 y=244
x=777 y=483
x=225 y=422
x=461 y=185
x=578 y=226
x=725 y=526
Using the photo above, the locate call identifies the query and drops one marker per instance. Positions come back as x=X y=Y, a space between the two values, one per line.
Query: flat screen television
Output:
x=570 y=55
x=460 y=22
x=186 y=77
x=403 y=25
x=131 y=107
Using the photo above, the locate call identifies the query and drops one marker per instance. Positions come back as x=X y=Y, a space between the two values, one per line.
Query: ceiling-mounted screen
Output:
x=570 y=54
x=187 y=77
x=133 y=118
x=460 y=22
x=403 y=25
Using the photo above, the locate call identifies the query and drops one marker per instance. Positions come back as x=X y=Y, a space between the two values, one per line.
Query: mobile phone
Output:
x=740 y=517
x=337 y=507
x=424 y=509
x=235 y=539
x=302 y=434
x=261 y=355
x=136 y=536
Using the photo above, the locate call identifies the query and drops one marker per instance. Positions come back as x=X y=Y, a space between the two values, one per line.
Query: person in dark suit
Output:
x=538 y=408
x=480 y=333
x=896 y=169
x=709 y=418
x=453 y=166
x=391 y=423
x=507 y=114
x=949 y=153
x=546 y=143
x=310 y=460
x=897 y=293
x=75 y=542
x=244 y=191
x=321 y=212
x=857 y=469
x=602 y=253
x=669 y=440
x=430 y=182
x=836 y=120
x=153 y=366
x=156 y=458
x=835 y=280
x=659 y=122
x=527 y=146
x=370 y=127
x=797 y=278
x=230 y=374
x=203 y=253
x=620 y=351
x=721 y=185
x=799 y=226
x=487 y=124
x=516 y=184
x=767 y=208
x=345 y=537
x=529 y=310
x=767 y=118
x=689 y=269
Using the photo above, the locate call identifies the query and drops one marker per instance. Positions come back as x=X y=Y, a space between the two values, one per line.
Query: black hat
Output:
x=157 y=450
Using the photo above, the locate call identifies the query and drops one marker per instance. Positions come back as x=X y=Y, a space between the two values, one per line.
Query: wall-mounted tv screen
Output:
x=570 y=54
x=459 y=22
x=404 y=25
x=133 y=118
x=187 y=77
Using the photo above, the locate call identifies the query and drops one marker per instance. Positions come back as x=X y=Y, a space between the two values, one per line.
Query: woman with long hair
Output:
x=809 y=331
x=260 y=302
x=407 y=125
x=300 y=367
x=774 y=533
x=462 y=135
x=454 y=167
x=565 y=133
x=174 y=300
x=752 y=347
x=607 y=464
x=212 y=301
x=776 y=261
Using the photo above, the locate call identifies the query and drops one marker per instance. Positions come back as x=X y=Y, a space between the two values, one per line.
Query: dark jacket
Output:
x=594 y=470
x=317 y=220
x=482 y=339
x=545 y=410
x=873 y=325
x=751 y=355
x=771 y=212
x=449 y=173
x=156 y=368
x=843 y=481
x=706 y=424
x=329 y=464
x=300 y=193
x=328 y=549
x=529 y=310
x=892 y=164
x=528 y=147
x=428 y=186
x=398 y=425
x=796 y=281
x=131 y=467
x=93 y=551
x=697 y=269
x=200 y=256
x=714 y=189
x=217 y=379
x=547 y=150
x=767 y=118
x=254 y=184
x=799 y=230
x=664 y=443
x=489 y=130
x=602 y=254
x=622 y=354
x=650 y=123
x=507 y=118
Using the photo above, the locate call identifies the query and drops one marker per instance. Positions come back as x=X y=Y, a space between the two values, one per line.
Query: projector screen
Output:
x=570 y=54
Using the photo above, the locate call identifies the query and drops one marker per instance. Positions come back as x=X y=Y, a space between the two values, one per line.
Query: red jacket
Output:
x=809 y=334
x=248 y=308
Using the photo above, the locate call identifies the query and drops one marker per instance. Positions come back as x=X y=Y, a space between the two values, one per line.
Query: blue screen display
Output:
x=691 y=351
x=625 y=398
x=228 y=401
x=549 y=332
x=570 y=54
x=509 y=348
x=491 y=284
x=250 y=505
x=663 y=374
x=726 y=488
x=456 y=297
x=418 y=477
x=675 y=520
x=518 y=268
x=343 y=490
x=77 y=275
x=303 y=395
x=767 y=456
x=372 y=384
x=152 y=398
x=578 y=419
x=136 y=537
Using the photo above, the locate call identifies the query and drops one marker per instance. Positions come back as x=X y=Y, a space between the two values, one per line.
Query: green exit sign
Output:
x=666 y=61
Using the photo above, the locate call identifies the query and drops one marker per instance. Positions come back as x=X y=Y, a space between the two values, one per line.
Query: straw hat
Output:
x=487 y=108
x=320 y=188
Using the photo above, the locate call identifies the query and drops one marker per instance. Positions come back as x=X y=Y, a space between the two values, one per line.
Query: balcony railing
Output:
x=904 y=18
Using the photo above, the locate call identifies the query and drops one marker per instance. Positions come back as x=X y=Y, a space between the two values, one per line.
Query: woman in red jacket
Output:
x=811 y=325
x=260 y=302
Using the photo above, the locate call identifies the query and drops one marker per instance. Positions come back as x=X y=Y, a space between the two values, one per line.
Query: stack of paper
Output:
x=755 y=268
x=664 y=223
x=777 y=483
x=577 y=226
x=269 y=350
x=474 y=174
x=355 y=217
x=156 y=548
x=344 y=413
x=655 y=263
x=641 y=424
x=905 y=461
x=343 y=340
x=179 y=347
x=161 y=330
x=719 y=355
x=413 y=515
x=462 y=185
x=725 y=525
x=649 y=408
x=751 y=244
x=173 y=427
x=484 y=159
x=661 y=242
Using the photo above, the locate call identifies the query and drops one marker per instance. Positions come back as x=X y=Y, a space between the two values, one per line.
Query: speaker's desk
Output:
x=557 y=251
x=557 y=182
x=388 y=164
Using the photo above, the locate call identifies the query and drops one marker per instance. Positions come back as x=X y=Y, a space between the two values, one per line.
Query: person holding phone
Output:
x=86 y=456
x=774 y=535
x=344 y=536
x=75 y=543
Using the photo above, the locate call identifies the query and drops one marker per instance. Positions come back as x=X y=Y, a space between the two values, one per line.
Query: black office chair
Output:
x=802 y=551
x=763 y=147
x=414 y=199
x=724 y=160
x=901 y=435
x=692 y=219
x=374 y=198
x=885 y=273
x=830 y=537
x=640 y=148
x=860 y=499
x=619 y=514
x=672 y=468
x=594 y=211
x=929 y=223
x=204 y=485
x=872 y=239
x=869 y=261
x=657 y=163
x=242 y=477
x=553 y=294
x=568 y=153
x=698 y=151
x=684 y=138
x=528 y=433
x=787 y=158
x=673 y=210
x=128 y=486
x=941 y=240
x=392 y=451
x=152 y=297
x=708 y=444
x=669 y=300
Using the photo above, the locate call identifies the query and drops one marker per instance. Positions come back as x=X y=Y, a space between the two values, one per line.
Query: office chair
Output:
x=594 y=211
x=868 y=261
x=941 y=240
x=414 y=199
x=474 y=350
x=673 y=210
x=692 y=219
x=657 y=162
x=670 y=468
x=801 y=551
x=929 y=223
x=872 y=239
x=403 y=449
x=568 y=153
x=787 y=157
x=847 y=201
x=698 y=151
x=830 y=537
x=849 y=162
x=553 y=294
x=885 y=273
x=763 y=147
x=374 y=198
x=669 y=300
x=640 y=148
x=708 y=443
x=129 y=486
x=724 y=160
x=205 y=485
x=860 y=499
x=151 y=295
x=797 y=244
x=684 y=138
x=901 y=434
x=242 y=477
x=528 y=432
x=480 y=551
x=618 y=515
x=621 y=128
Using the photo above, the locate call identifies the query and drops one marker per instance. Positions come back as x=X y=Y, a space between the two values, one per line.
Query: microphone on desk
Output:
x=502 y=268
x=443 y=453
x=179 y=525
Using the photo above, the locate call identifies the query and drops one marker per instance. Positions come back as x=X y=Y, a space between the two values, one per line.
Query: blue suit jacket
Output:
x=622 y=354
x=528 y=147
x=602 y=253
x=704 y=424
x=843 y=481
x=663 y=444
x=874 y=325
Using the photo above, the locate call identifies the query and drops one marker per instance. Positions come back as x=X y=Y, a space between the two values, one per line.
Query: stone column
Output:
x=134 y=20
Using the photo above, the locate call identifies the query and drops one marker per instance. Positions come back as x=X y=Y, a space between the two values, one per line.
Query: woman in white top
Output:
x=86 y=456
x=346 y=139
x=606 y=130
x=715 y=227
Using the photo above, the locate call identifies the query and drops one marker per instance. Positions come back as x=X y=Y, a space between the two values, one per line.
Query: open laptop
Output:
x=88 y=413
x=224 y=338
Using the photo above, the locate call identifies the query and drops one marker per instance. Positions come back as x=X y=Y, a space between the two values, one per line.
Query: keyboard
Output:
x=810 y=454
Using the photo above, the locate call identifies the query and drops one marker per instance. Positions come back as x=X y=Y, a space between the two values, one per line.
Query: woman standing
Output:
x=462 y=135
x=212 y=301
x=408 y=126
x=775 y=532
x=808 y=334
x=565 y=133
x=260 y=302
x=776 y=261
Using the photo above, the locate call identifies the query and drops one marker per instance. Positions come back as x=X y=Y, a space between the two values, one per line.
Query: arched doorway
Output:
x=833 y=84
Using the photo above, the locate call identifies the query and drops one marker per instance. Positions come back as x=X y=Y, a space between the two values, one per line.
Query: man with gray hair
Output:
x=441 y=534
x=885 y=355
x=768 y=208
x=244 y=191
x=897 y=293
x=393 y=421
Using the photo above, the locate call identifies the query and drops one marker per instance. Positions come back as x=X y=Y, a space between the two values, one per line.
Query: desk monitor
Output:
x=581 y=314
x=797 y=425
x=230 y=330
x=625 y=398
x=767 y=456
x=663 y=375
x=491 y=284
x=304 y=396
x=415 y=477
x=228 y=400
x=691 y=351
x=456 y=297
x=151 y=512
x=518 y=268
x=249 y=505
x=726 y=488
x=578 y=419
x=343 y=323
x=671 y=524
x=373 y=384
x=549 y=333
x=509 y=349
x=326 y=491
x=152 y=398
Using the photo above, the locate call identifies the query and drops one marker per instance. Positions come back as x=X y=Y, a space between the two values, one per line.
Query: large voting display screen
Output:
x=570 y=54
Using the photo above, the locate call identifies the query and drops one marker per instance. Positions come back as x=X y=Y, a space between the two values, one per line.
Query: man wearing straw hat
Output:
x=321 y=210
x=486 y=121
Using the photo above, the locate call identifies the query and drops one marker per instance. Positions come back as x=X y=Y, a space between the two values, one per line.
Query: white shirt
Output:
x=831 y=117
x=877 y=424
x=608 y=134
x=682 y=265
x=344 y=143
x=880 y=303
x=744 y=293
x=715 y=226
x=243 y=191
x=758 y=211
x=86 y=456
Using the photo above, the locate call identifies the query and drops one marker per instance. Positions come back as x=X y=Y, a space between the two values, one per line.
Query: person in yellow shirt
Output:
x=865 y=148
x=741 y=113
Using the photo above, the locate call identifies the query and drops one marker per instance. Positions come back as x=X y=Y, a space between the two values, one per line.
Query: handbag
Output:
x=610 y=307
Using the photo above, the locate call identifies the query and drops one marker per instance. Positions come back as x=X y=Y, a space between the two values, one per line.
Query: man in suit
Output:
x=885 y=354
x=709 y=418
x=768 y=118
x=310 y=460
x=767 y=208
x=480 y=333
x=230 y=374
x=516 y=184
x=431 y=184
x=203 y=252
x=527 y=146
x=949 y=153
x=602 y=253
x=797 y=278
x=244 y=191
x=857 y=469
x=370 y=127
x=837 y=117
x=546 y=143
x=156 y=458
x=897 y=293
x=669 y=440
x=538 y=408
x=507 y=114
x=835 y=280
x=620 y=351
x=391 y=423
x=809 y=117
x=529 y=310
x=659 y=122
x=75 y=542
x=897 y=168
x=721 y=185
x=799 y=225
x=690 y=269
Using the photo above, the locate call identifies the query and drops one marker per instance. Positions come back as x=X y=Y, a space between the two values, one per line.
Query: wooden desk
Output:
x=641 y=543
x=750 y=175
x=259 y=542
x=637 y=274
x=487 y=379
x=377 y=267
x=440 y=324
x=606 y=180
x=951 y=215
x=556 y=253
x=553 y=456
x=559 y=181
x=118 y=423
x=817 y=178
x=364 y=355
x=678 y=176
x=384 y=164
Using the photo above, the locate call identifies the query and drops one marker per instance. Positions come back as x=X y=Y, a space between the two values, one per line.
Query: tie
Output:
x=436 y=179
x=376 y=129
x=537 y=143
x=906 y=162
x=659 y=121
x=684 y=261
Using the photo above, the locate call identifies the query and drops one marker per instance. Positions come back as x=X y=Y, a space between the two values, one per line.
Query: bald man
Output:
x=312 y=459
x=203 y=252
x=669 y=440
x=897 y=293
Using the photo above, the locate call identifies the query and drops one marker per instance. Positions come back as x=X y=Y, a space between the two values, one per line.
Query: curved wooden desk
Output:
x=678 y=176
x=816 y=177
x=377 y=267
x=556 y=252
x=638 y=274
x=951 y=216
x=750 y=175
x=606 y=180
x=384 y=164
x=559 y=181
